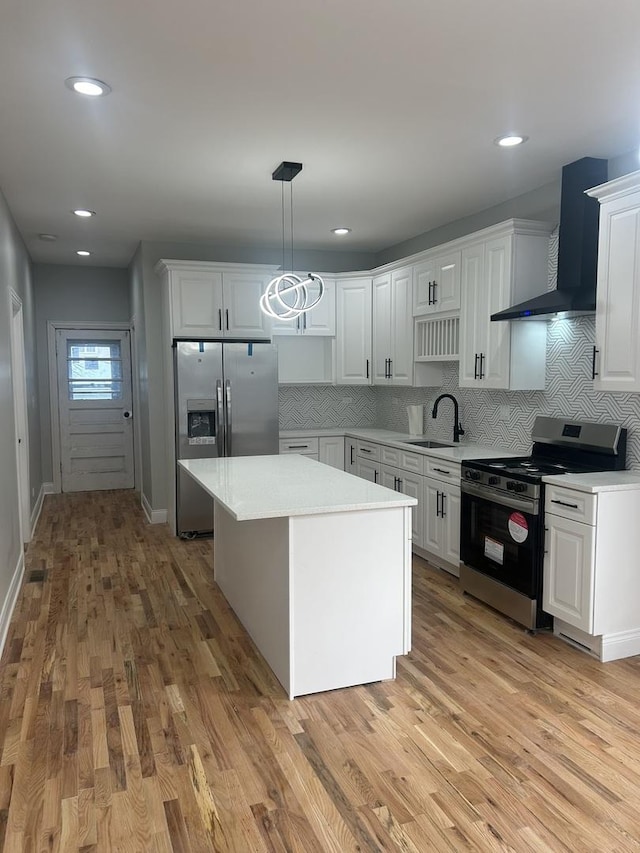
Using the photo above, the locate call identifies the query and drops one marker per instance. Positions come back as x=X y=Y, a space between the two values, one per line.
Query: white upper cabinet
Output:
x=319 y=321
x=616 y=358
x=393 y=328
x=436 y=284
x=207 y=301
x=506 y=267
x=353 y=331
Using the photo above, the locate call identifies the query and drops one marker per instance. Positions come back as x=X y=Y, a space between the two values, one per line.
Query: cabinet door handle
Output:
x=226 y=315
x=220 y=319
x=304 y=322
x=481 y=376
x=351 y=456
x=375 y=476
x=564 y=503
x=443 y=506
x=434 y=300
x=390 y=370
x=475 y=367
x=395 y=484
x=438 y=494
x=399 y=484
x=386 y=368
x=593 y=362
x=429 y=302
x=367 y=376
x=545 y=549
x=441 y=471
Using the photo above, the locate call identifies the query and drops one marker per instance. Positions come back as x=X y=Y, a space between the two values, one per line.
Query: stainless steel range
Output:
x=502 y=526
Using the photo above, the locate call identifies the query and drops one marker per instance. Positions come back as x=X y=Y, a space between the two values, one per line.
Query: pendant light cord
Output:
x=291 y=216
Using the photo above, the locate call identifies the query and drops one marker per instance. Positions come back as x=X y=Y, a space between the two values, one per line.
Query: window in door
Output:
x=94 y=371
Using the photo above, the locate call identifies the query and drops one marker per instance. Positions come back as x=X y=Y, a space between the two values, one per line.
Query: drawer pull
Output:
x=441 y=471
x=564 y=503
x=298 y=446
x=365 y=450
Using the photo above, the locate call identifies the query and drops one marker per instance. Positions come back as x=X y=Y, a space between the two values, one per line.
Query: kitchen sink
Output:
x=428 y=443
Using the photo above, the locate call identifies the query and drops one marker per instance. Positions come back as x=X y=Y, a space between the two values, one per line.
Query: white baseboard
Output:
x=605 y=647
x=45 y=489
x=10 y=601
x=154 y=516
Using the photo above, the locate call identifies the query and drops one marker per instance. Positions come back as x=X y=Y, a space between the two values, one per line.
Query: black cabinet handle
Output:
x=375 y=476
x=365 y=450
x=226 y=313
x=475 y=367
x=435 y=284
x=443 y=507
x=429 y=302
x=593 y=363
x=438 y=504
x=367 y=376
x=390 y=370
x=399 y=484
x=387 y=368
x=298 y=446
x=351 y=458
x=442 y=471
x=395 y=484
x=481 y=376
x=564 y=503
x=220 y=319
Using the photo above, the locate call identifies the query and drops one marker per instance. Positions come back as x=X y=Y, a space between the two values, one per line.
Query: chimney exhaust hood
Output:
x=577 y=248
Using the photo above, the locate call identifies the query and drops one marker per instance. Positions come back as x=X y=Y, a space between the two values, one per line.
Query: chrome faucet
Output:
x=457 y=426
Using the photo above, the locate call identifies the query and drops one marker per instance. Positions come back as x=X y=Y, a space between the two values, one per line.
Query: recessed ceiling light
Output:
x=509 y=140
x=341 y=231
x=83 y=253
x=87 y=86
x=85 y=214
x=48 y=237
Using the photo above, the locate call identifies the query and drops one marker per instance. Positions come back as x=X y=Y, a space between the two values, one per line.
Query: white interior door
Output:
x=94 y=405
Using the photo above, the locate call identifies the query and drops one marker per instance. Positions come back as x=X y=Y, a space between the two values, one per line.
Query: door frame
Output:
x=54 y=405
x=20 y=415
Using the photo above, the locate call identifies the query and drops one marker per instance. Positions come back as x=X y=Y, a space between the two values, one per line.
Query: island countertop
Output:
x=253 y=487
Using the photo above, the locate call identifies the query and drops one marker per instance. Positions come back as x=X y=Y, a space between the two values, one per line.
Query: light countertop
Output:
x=251 y=487
x=597 y=481
x=454 y=452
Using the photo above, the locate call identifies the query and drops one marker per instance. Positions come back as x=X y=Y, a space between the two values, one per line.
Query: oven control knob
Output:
x=516 y=487
x=493 y=481
x=472 y=475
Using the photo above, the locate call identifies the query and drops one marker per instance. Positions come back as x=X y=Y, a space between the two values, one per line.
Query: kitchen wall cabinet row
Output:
x=364 y=325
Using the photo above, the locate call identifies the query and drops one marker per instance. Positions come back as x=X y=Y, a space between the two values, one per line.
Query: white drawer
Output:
x=368 y=450
x=299 y=445
x=401 y=459
x=569 y=503
x=442 y=469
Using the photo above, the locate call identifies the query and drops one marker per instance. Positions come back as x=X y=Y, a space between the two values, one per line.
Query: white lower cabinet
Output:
x=591 y=583
x=368 y=469
x=331 y=450
x=409 y=484
x=325 y=448
x=442 y=524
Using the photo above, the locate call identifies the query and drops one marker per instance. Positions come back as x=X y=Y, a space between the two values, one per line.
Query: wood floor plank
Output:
x=136 y=715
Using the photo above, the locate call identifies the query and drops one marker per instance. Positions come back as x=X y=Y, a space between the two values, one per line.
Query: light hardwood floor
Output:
x=135 y=715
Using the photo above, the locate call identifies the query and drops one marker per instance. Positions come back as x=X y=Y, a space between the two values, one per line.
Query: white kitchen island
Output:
x=316 y=564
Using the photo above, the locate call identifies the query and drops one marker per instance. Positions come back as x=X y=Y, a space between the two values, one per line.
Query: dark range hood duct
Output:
x=577 y=247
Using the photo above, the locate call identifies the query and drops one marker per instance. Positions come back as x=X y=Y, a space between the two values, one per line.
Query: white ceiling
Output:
x=391 y=105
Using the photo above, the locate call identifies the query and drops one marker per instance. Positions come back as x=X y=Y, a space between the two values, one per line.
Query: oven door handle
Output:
x=510 y=501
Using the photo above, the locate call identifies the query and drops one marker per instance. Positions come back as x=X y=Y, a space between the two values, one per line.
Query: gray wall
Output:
x=74 y=294
x=15 y=274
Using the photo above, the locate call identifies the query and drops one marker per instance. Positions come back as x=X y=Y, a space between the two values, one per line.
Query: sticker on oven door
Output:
x=494 y=550
x=518 y=527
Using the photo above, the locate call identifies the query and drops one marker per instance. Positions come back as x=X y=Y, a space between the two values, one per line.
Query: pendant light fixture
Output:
x=287 y=296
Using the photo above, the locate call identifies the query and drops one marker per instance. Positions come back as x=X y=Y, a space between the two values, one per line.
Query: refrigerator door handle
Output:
x=219 y=418
x=228 y=427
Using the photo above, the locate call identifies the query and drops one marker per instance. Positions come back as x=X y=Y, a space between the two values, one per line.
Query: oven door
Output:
x=501 y=536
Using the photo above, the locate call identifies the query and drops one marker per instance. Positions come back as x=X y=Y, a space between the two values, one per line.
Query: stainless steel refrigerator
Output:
x=226 y=404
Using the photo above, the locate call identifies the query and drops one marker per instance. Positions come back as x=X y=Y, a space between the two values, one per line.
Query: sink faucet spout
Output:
x=457 y=426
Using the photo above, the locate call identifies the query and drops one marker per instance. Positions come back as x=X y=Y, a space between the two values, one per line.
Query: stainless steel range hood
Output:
x=577 y=248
